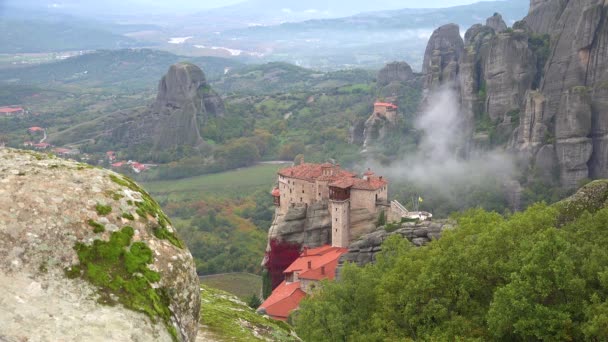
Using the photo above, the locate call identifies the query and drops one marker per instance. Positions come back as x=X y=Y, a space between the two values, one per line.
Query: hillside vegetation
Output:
x=225 y=318
x=536 y=275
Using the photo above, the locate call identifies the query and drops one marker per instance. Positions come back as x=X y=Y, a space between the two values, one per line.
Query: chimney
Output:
x=310 y=265
x=305 y=251
x=323 y=270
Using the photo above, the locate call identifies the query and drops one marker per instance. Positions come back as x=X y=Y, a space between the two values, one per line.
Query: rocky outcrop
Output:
x=442 y=56
x=305 y=225
x=399 y=72
x=496 y=23
x=310 y=225
x=569 y=110
x=184 y=103
x=85 y=254
x=364 y=250
x=495 y=73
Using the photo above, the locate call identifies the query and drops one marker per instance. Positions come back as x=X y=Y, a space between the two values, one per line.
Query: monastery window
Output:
x=302 y=190
x=336 y=221
x=289 y=190
x=301 y=199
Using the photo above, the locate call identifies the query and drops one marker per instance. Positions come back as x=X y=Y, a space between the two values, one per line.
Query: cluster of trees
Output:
x=225 y=235
x=537 y=275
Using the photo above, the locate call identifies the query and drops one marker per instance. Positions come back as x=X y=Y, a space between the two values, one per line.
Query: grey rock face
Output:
x=46 y=206
x=570 y=104
x=509 y=71
x=442 y=55
x=305 y=225
x=496 y=23
x=184 y=103
x=363 y=250
x=400 y=72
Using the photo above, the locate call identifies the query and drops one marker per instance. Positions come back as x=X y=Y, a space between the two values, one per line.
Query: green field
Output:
x=242 y=285
x=229 y=184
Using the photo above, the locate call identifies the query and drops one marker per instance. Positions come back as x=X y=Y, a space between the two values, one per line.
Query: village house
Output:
x=11 y=111
x=386 y=110
x=35 y=129
x=301 y=278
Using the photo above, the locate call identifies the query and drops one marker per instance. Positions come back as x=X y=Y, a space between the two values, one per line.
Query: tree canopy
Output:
x=530 y=276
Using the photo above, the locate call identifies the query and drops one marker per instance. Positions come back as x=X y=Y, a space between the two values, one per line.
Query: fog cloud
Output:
x=440 y=161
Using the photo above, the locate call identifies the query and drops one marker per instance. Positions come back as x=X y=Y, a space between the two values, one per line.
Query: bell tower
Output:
x=339 y=206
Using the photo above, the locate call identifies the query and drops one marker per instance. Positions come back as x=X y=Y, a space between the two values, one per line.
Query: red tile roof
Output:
x=276 y=192
x=42 y=145
x=283 y=300
x=385 y=104
x=119 y=164
x=287 y=296
x=139 y=166
x=371 y=183
x=325 y=256
x=35 y=129
x=311 y=172
x=10 y=109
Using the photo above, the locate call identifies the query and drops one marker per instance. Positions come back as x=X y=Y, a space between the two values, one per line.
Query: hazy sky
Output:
x=218 y=3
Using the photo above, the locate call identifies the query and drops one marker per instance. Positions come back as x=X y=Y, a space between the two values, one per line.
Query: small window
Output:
x=336 y=209
x=319 y=194
x=289 y=190
x=302 y=190
x=336 y=219
x=301 y=199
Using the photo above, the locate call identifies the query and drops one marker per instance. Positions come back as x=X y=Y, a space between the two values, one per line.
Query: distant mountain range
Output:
x=368 y=39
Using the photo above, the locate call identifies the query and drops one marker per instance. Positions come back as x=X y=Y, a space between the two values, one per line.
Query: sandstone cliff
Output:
x=184 y=103
x=310 y=226
x=399 y=72
x=569 y=109
x=442 y=57
x=85 y=254
x=539 y=87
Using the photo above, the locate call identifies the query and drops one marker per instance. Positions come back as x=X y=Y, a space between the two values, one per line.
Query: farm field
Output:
x=229 y=184
x=242 y=285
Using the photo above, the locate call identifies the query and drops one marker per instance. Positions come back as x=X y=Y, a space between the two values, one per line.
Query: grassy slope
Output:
x=225 y=318
x=242 y=285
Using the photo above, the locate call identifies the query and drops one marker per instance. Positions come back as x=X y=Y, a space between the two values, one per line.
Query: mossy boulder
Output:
x=591 y=198
x=86 y=254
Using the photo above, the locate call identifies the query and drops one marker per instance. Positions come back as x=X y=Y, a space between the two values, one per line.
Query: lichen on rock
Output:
x=129 y=277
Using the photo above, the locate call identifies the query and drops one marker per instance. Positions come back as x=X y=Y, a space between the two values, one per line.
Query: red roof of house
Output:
x=119 y=164
x=324 y=256
x=287 y=296
x=35 y=129
x=283 y=300
x=312 y=172
x=10 y=109
x=276 y=192
x=138 y=166
x=385 y=104
x=371 y=183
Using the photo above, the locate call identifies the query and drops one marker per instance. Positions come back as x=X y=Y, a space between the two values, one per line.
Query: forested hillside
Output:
x=535 y=275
